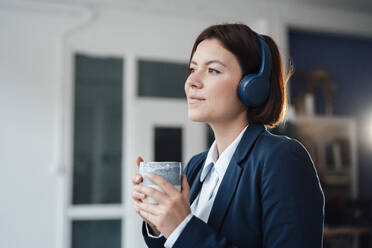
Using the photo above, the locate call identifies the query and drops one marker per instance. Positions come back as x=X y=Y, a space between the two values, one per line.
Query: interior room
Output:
x=86 y=86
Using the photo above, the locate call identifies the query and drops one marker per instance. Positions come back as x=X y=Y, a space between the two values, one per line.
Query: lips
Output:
x=195 y=99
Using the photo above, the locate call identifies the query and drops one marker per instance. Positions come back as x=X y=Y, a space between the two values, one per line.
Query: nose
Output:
x=193 y=84
x=194 y=81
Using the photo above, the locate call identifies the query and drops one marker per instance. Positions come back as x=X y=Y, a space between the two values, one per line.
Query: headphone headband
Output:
x=254 y=89
x=265 y=69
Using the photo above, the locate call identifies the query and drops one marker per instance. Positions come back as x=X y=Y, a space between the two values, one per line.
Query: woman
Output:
x=252 y=188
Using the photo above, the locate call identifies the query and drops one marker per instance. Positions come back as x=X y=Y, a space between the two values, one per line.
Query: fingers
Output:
x=139 y=160
x=155 y=194
x=147 y=216
x=138 y=211
x=138 y=196
x=149 y=208
x=136 y=179
x=166 y=186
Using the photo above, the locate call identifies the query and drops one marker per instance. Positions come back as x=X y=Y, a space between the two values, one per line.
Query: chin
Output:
x=196 y=116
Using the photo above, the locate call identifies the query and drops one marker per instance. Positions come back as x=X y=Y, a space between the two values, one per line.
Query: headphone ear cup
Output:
x=253 y=90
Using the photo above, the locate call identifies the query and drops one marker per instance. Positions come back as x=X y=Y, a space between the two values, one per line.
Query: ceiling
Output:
x=363 y=6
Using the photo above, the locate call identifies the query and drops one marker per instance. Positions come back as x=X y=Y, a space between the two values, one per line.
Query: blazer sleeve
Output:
x=292 y=199
x=159 y=242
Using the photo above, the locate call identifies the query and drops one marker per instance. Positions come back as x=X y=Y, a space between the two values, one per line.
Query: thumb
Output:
x=185 y=187
x=139 y=160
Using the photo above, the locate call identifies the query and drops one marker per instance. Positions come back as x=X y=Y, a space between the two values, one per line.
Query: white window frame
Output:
x=135 y=142
x=66 y=211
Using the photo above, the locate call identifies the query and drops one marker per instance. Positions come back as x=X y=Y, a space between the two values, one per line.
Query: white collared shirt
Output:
x=201 y=206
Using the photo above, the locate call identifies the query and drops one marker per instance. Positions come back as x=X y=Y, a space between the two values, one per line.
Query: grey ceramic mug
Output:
x=170 y=171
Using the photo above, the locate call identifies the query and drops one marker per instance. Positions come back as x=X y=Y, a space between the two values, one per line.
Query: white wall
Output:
x=34 y=76
x=27 y=107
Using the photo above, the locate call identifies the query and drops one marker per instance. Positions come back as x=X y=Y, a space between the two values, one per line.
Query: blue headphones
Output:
x=253 y=89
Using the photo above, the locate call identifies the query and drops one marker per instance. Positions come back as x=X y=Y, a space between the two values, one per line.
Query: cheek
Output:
x=225 y=96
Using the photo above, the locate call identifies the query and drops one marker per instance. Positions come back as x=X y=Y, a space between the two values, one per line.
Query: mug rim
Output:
x=161 y=162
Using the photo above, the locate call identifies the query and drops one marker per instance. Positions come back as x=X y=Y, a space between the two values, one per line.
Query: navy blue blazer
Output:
x=269 y=197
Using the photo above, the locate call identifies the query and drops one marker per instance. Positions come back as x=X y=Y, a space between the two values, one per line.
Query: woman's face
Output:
x=211 y=87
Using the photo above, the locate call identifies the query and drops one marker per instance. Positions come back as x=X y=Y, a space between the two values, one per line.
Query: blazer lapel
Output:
x=195 y=179
x=231 y=179
x=195 y=188
x=225 y=194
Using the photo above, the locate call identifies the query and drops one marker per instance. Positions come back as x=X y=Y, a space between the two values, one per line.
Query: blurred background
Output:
x=86 y=86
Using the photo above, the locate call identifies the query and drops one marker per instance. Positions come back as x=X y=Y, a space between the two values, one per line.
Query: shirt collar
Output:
x=221 y=163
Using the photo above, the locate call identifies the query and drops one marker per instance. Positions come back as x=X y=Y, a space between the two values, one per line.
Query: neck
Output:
x=226 y=132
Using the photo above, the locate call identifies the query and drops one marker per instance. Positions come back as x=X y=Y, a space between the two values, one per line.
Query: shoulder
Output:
x=271 y=146
x=284 y=158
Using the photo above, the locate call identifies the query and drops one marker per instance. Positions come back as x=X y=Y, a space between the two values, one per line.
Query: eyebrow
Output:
x=210 y=62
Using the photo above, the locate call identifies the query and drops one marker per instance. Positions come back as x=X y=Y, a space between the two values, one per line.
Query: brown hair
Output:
x=242 y=42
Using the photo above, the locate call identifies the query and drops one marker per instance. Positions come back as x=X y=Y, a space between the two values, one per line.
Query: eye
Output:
x=214 y=71
x=191 y=70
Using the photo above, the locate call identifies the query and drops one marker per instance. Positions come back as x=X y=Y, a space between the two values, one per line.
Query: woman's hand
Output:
x=138 y=196
x=172 y=208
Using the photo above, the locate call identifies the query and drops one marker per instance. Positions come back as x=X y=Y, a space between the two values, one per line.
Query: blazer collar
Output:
x=246 y=143
x=221 y=162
